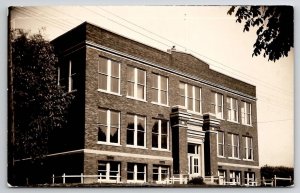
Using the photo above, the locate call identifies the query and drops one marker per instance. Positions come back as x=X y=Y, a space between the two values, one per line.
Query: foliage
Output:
x=268 y=172
x=39 y=104
x=196 y=181
x=275 y=28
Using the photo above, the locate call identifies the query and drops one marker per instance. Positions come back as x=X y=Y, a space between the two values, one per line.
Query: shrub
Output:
x=196 y=180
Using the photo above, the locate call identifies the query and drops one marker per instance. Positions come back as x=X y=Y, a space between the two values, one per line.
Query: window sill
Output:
x=247 y=125
x=106 y=143
x=234 y=158
x=142 y=100
x=231 y=121
x=194 y=112
x=248 y=160
x=164 y=105
x=158 y=149
x=136 y=147
x=136 y=181
x=107 y=92
x=223 y=157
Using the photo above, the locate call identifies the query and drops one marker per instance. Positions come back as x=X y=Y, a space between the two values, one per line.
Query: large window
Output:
x=235 y=177
x=232 y=109
x=248 y=147
x=190 y=97
x=159 y=89
x=160 y=173
x=136 y=173
x=234 y=145
x=220 y=143
x=246 y=113
x=250 y=179
x=71 y=77
x=108 y=126
x=160 y=134
x=136 y=130
x=109 y=171
x=222 y=176
x=136 y=83
x=217 y=105
x=108 y=75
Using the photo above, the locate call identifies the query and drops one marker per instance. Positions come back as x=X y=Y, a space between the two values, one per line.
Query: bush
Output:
x=268 y=172
x=197 y=180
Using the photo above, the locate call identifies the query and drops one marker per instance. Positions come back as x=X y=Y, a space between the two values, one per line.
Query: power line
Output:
x=184 y=47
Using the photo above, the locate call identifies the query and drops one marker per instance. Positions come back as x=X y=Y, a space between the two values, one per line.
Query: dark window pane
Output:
x=164 y=141
x=140 y=176
x=155 y=127
x=154 y=140
x=102 y=132
x=191 y=148
x=155 y=177
x=129 y=176
x=130 y=167
x=164 y=127
x=140 y=138
x=130 y=137
x=141 y=123
x=114 y=135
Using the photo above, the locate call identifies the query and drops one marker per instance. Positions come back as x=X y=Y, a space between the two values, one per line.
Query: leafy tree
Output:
x=268 y=172
x=39 y=104
x=275 y=28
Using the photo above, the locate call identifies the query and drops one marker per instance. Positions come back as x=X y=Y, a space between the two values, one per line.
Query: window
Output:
x=136 y=131
x=250 y=179
x=222 y=176
x=108 y=75
x=70 y=78
x=217 y=105
x=160 y=89
x=58 y=76
x=248 y=145
x=232 y=109
x=221 y=143
x=108 y=171
x=235 y=177
x=136 y=173
x=246 y=113
x=108 y=126
x=136 y=83
x=160 y=134
x=160 y=173
x=233 y=140
x=190 y=97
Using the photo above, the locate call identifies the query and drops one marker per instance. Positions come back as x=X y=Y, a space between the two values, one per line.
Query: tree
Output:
x=275 y=28
x=268 y=172
x=39 y=104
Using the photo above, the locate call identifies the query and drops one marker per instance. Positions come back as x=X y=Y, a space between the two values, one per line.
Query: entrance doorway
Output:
x=194 y=160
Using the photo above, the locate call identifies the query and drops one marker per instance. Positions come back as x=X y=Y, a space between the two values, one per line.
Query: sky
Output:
x=206 y=32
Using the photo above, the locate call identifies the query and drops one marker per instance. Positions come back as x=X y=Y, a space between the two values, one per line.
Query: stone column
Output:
x=179 y=118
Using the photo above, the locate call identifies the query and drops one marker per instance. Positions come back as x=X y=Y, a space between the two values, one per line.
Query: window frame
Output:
x=248 y=148
x=108 y=171
x=231 y=111
x=250 y=177
x=135 y=131
x=109 y=76
x=245 y=114
x=235 y=177
x=159 y=89
x=71 y=77
x=222 y=144
x=135 y=84
x=233 y=146
x=136 y=172
x=159 y=174
x=108 y=126
x=159 y=135
x=186 y=97
x=215 y=105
